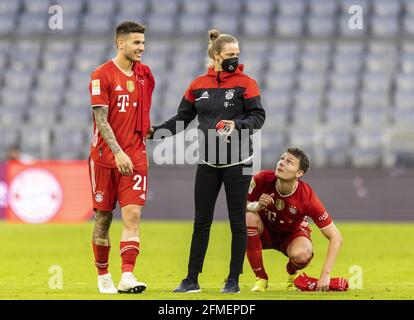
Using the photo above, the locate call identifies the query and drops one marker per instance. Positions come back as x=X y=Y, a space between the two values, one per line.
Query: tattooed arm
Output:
x=123 y=162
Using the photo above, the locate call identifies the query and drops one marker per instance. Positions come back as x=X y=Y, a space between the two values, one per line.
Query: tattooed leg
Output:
x=103 y=221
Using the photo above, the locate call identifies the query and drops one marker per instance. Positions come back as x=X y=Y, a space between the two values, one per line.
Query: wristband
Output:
x=253 y=206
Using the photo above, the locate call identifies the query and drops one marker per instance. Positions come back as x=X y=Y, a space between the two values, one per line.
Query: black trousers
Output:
x=207 y=186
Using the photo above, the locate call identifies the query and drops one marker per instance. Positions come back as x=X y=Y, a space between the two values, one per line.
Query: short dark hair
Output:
x=129 y=27
x=303 y=158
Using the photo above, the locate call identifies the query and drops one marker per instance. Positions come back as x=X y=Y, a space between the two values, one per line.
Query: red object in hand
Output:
x=220 y=125
x=305 y=283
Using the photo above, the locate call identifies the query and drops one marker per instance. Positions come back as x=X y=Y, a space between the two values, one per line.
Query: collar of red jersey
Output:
x=287 y=195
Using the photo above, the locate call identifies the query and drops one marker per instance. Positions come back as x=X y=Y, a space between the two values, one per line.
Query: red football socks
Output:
x=129 y=253
x=254 y=252
x=101 y=254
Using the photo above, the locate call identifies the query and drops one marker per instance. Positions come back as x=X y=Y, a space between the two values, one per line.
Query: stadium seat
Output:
x=133 y=7
x=196 y=6
x=385 y=26
x=291 y=26
x=321 y=25
x=373 y=117
x=164 y=7
x=233 y=6
x=35 y=141
x=33 y=23
x=225 y=22
x=386 y=7
x=374 y=82
x=323 y=7
x=36 y=7
x=12 y=114
x=276 y=101
x=41 y=116
x=403 y=117
x=375 y=99
x=408 y=25
x=291 y=7
x=9 y=137
x=312 y=81
x=307 y=99
x=105 y=7
x=259 y=7
x=67 y=142
x=347 y=63
x=343 y=82
x=18 y=79
x=93 y=23
x=336 y=145
x=9 y=8
x=302 y=138
x=340 y=117
x=161 y=23
x=7 y=23
x=279 y=82
x=306 y=117
x=341 y=99
x=256 y=24
x=192 y=24
x=14 y=97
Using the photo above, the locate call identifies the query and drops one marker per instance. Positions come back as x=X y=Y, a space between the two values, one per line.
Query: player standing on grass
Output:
x=121 y=92
x=277 y=206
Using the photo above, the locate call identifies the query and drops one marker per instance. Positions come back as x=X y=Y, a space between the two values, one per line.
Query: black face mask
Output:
x=230 y=64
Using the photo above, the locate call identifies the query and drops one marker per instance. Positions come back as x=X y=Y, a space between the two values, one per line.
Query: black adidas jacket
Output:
x=217 y=96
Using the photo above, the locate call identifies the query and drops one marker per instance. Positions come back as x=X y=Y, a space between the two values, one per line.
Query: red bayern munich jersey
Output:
x=289 y=211
x=112 y=87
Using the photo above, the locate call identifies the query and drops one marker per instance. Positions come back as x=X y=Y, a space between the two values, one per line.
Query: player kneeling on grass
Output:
x=277 y=207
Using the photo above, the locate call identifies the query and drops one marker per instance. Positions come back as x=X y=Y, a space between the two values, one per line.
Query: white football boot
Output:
x=105 y=284
x=129 y=284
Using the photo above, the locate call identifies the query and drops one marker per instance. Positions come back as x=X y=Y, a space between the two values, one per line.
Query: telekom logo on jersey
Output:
x=123 y=102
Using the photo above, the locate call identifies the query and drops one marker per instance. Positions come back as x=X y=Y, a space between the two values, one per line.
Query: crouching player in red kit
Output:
x=278 y=203
x=121 y=92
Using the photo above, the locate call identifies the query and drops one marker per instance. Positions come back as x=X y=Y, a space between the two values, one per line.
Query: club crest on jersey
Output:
x=229 y=94
x=280 y=204
x=130 y=86
x=99 y=196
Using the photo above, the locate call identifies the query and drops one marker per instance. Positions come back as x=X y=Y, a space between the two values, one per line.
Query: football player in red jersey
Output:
x=277 y=207
x=120 y=92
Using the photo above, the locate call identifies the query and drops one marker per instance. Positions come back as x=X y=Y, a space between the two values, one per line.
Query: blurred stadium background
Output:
x=346 y=96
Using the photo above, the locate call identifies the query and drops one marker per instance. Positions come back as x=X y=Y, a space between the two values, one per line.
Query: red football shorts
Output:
x=109 y=186
x=281 y=241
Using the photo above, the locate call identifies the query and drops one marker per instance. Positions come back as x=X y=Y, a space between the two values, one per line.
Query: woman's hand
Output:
x=230 y=125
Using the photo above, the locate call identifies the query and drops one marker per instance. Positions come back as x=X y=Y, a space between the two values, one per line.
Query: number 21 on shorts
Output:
x=137 y=185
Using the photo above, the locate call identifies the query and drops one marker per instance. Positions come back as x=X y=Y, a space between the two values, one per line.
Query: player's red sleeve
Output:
x=317 y=212
x=99 y=89
x=254 y=188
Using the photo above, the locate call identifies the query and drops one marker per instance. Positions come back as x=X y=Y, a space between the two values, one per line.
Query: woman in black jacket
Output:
x=224 y=96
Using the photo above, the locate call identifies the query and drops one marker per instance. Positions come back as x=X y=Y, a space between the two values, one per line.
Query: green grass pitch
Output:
x=384 y=251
